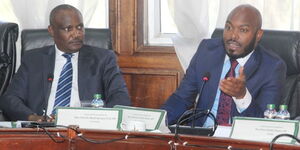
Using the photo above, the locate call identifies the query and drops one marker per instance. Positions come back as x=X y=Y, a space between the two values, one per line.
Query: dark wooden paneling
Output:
x=150 y=87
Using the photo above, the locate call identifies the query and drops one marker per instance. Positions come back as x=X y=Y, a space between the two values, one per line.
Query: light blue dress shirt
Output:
x=247 y=99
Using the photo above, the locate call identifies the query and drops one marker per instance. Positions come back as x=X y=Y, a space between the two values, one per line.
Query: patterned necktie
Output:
x=225 y=102
x=64 y=86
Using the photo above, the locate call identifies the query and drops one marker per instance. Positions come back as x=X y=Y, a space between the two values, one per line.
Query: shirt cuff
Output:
x=243 y=103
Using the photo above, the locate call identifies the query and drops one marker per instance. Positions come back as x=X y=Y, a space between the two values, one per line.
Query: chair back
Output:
x=8 y=37
x=36 y=38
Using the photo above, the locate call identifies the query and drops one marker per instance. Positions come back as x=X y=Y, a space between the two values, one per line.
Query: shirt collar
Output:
x=242 y=61
x=59 y=52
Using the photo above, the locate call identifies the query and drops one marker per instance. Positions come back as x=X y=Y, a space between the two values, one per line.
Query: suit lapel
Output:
x=253 y=63
x=216 y=73
x=48 y=68
x=85 y=61
x=214 y=66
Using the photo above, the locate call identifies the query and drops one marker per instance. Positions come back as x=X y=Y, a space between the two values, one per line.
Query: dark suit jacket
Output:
x=98 y=72
x=265 y=75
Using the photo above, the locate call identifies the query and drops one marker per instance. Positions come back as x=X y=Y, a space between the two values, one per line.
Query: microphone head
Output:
x=206 y=76
x=50 y=78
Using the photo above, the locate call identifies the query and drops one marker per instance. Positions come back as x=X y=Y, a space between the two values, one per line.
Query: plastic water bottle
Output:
x=270 y=112
x=283 y=113
x=97 y=101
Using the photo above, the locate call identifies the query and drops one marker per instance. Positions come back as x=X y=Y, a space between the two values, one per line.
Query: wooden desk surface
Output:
x=30 y=139
x=37 y=139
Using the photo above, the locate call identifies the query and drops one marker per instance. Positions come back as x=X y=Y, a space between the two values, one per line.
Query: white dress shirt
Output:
x=242 y=104
x=59 y=63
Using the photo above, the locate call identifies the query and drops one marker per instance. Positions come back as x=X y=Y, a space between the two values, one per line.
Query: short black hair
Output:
x=59 y=8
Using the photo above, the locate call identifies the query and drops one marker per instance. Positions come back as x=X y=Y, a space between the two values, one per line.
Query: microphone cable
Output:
x=282 y=135
x=197 y=115
x=52 y=136
x=81 y=136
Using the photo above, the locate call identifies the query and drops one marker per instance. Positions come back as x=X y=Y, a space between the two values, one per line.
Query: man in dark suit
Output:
x=91 y=70
x=245 y=77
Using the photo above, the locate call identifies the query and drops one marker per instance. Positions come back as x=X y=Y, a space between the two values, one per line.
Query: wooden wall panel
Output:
x=150 y=88
x=152 y=73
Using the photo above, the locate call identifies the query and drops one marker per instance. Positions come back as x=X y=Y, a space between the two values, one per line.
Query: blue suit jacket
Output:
x=98 y=72
x=265 y=74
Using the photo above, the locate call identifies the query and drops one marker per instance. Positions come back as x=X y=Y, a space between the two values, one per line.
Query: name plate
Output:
x=8 y=124
x=264 y=130
x=89 y=118
x=151 y=117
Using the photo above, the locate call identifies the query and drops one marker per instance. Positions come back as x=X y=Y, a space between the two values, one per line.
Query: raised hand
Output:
x=235 y=86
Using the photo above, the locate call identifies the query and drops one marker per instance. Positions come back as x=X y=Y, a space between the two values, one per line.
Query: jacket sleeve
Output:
x=183 y=98
x=13 y=101
x=115 y=87
x=266 y=91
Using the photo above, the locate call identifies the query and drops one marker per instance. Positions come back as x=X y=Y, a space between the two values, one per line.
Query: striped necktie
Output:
x=225 y=102
x=64 y=86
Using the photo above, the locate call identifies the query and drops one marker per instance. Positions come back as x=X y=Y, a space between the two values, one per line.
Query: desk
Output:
x=30 y=139
x=37 y=139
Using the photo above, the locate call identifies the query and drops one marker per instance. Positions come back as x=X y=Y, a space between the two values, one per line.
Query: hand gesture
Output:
x=235 y=86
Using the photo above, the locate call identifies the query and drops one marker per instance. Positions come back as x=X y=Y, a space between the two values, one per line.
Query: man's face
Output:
x=240 y=35
x=67 y=31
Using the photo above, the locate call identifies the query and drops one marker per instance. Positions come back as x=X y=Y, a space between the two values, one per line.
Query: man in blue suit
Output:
x=94 y=70
x=256 y=81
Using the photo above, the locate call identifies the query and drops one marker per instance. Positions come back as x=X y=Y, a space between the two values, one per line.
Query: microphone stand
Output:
x=50 y=80
x=205 y=78
x=196 y=115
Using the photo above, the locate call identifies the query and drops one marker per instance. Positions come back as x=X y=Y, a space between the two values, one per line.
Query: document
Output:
x=223 y=131
x=260 y=129
x=89 y=118
x=153 y=118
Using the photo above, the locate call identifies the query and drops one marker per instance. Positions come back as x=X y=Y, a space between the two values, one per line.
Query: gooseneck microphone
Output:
x=195 y=131
x=49 y=82
x=205 y=78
